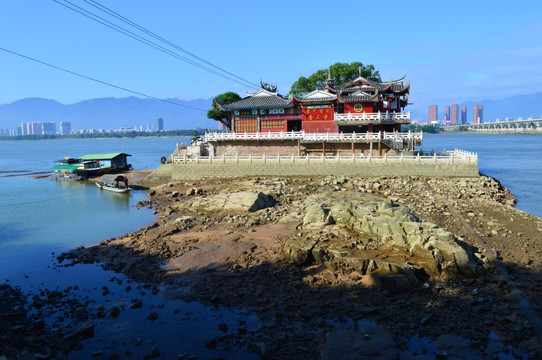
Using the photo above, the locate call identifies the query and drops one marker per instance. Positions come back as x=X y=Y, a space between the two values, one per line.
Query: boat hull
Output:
x=112 y=188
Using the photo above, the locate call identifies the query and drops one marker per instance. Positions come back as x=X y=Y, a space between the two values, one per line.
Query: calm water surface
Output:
x=41 y=213
x=514 y=160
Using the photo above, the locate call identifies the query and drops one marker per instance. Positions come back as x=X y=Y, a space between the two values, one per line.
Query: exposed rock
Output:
x=315 y=215
x=374 y=228
x=84 y=332
x=113 y=312
x=245 y=201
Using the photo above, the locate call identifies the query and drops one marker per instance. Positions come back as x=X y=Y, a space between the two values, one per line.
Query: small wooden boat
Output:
x=112 y=188
x=114 y=183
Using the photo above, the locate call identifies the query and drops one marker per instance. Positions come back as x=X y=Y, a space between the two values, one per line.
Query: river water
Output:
x=514 y=160
x=40 y=218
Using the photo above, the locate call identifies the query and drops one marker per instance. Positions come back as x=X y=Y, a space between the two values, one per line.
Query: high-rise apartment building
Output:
x=48 y=128
x=447 y=114
x=463 y=114
x=433 y=114
x=160 y=124
x=478 y=114
x=36 y=128
x=455 y=114
x=65 y=127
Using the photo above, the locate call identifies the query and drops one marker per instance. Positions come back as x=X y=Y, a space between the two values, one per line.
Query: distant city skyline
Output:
x=479 y=68
x=451 y=115
x=65 y=128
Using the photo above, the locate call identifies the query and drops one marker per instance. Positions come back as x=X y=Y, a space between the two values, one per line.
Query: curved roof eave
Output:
x=359 y=98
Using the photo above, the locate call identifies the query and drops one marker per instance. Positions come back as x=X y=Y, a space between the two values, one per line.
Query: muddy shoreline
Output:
x=323 y=260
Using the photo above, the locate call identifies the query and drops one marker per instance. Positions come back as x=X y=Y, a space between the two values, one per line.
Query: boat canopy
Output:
x=66 y=167
x=110 y=178
x=110 y=156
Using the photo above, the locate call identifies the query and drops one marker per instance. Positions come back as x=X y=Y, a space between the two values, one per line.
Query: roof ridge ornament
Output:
x=268 y=87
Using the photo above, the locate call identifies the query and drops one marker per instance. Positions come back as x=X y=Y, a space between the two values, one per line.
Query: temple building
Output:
x=361 y=117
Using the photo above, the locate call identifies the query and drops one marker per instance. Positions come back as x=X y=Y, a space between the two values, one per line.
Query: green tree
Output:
x=342 y=73
x=195 y=137
x=219 y=115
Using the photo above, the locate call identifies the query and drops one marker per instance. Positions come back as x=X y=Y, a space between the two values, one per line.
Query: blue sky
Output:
x=450 y=51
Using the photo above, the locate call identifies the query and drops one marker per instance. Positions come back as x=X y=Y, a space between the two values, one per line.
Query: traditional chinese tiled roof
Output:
x=367 y=85
x=358 y=97
x=317 y=96
x=403 y=89
x=262 y=99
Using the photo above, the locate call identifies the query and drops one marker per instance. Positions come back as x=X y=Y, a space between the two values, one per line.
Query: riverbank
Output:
x=318 y=259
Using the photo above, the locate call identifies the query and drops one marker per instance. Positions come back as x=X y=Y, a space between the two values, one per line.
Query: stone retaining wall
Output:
x=168 y=172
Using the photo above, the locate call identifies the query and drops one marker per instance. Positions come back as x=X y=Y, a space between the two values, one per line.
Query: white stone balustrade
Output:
x=372 y=118
x=314 y=137
x=457 y=157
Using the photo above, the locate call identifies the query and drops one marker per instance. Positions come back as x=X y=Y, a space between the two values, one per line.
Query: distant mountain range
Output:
x=109 y=113
x=113 y=113
x=523 y=106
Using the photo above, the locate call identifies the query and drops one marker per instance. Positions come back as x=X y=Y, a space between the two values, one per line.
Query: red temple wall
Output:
x=318 y=114
x=367 y=107
x=319 y=119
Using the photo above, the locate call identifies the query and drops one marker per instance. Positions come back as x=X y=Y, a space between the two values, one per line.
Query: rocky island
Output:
x=345 y=267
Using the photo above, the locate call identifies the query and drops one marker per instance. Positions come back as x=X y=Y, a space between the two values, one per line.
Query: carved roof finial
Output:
x=268 y=87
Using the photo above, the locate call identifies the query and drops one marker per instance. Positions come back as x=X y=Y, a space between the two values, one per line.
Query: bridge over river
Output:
x=529 y=126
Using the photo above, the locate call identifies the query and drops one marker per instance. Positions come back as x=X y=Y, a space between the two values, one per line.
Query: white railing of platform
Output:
x=313 y=137
x=377 y=117
x=457 y=157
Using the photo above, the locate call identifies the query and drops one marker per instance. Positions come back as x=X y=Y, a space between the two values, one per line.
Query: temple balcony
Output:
x=381 y=136
x=372 y=118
